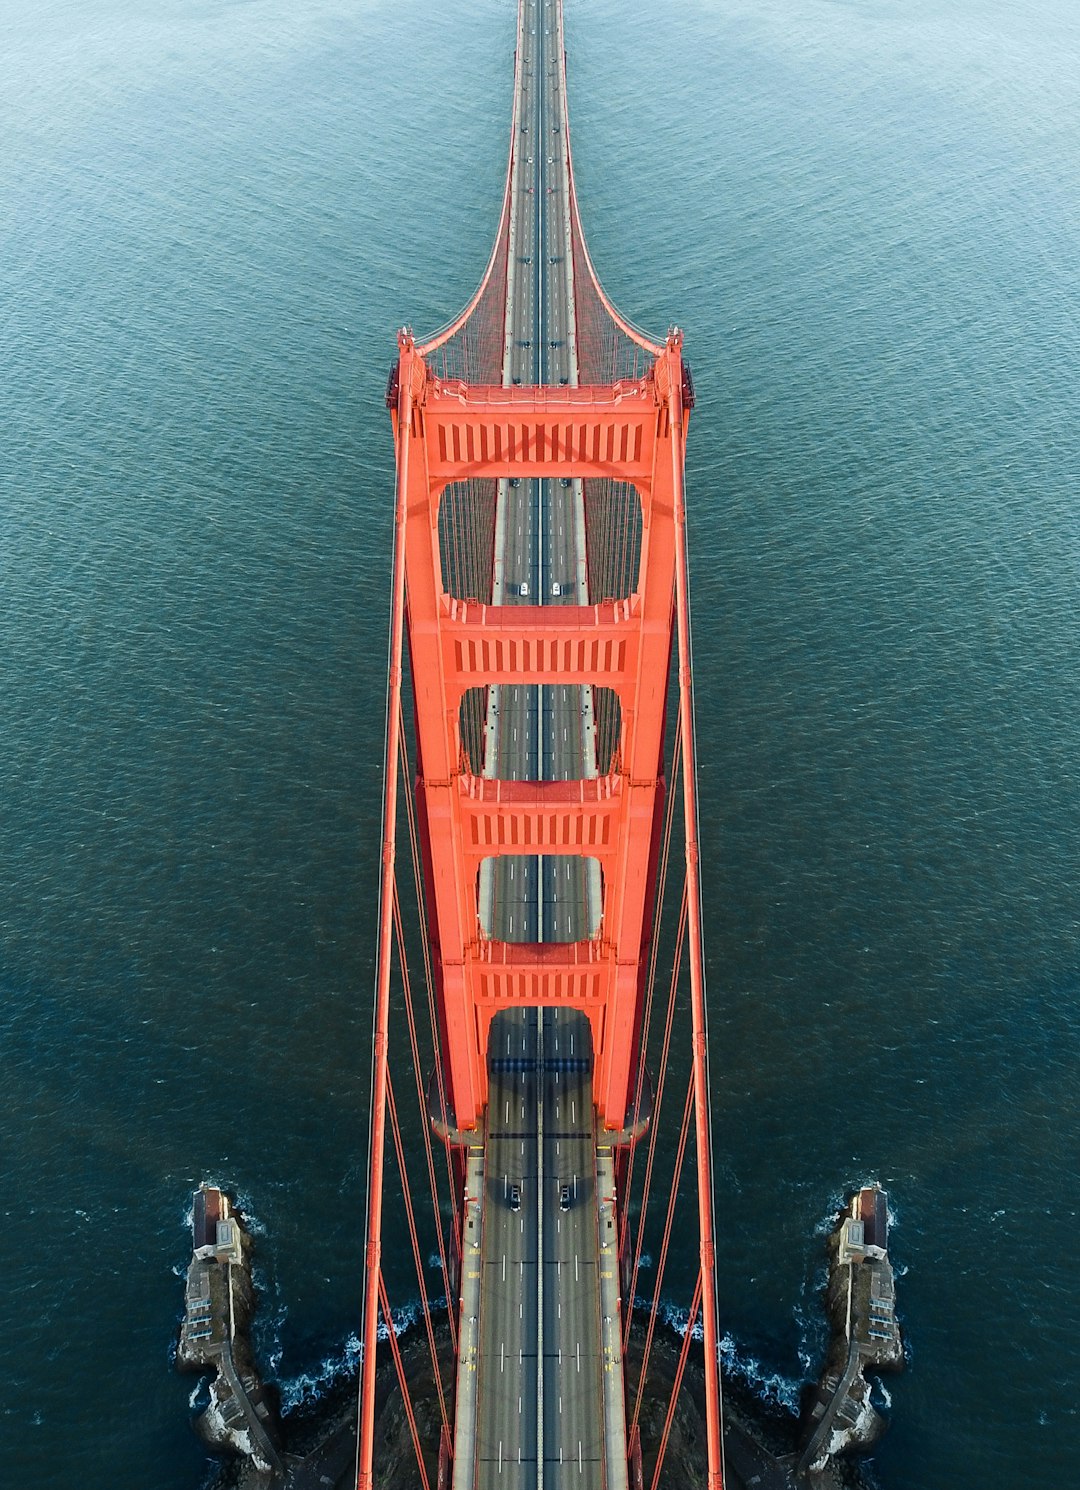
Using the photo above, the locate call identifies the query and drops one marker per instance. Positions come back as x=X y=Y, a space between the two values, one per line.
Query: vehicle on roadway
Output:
x=564 y=1198
x=515 y=1197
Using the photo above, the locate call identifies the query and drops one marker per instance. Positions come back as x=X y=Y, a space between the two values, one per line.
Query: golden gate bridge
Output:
x=540 y=821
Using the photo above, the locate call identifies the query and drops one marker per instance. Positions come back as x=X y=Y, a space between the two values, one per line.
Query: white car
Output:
x=524 y=588
x=556 y=589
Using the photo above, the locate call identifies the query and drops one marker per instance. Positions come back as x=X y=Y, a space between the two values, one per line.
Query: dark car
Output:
x=564 y=1197
x=515 y=1197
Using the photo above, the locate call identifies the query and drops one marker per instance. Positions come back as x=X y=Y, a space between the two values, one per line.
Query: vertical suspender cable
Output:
x=429 y=981
x=661 y=1266
x=660 y=1081
x=650 y=986
x=395 y=1129
x=403 y=1382
x=681 y=1368
x=426 y=1127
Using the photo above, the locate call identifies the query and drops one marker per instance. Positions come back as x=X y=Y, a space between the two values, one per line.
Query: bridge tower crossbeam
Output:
x=452 y=432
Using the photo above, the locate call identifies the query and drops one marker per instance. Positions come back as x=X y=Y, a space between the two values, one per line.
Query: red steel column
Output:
x=703 y=1125
x=455 y=431
x=453 y=922
x=373 y=1258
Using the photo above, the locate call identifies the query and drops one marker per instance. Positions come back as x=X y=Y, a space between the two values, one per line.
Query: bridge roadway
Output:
x=540 y=1389
x=539 y=1140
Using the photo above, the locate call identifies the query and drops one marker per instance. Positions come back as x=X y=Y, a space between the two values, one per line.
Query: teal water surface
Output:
x=213 y=218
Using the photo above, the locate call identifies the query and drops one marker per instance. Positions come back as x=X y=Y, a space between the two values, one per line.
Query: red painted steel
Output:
x=702 y=1108
x=373 y=1282
x=455 y=423
x=452 y=432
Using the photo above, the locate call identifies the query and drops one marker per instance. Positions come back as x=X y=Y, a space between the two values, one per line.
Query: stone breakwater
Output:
x=219 y=1302
x=860 y=1301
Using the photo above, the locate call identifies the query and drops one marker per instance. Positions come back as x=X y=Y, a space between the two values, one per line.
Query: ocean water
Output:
x=212 y=218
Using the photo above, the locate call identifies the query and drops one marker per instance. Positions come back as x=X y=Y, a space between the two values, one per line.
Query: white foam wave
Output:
x=309 y=1386
x=270 y=1317
x=769 y=1386
x=243 y=1200
x=838 y=1201
x=245 y=1204
x=813 y=1330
